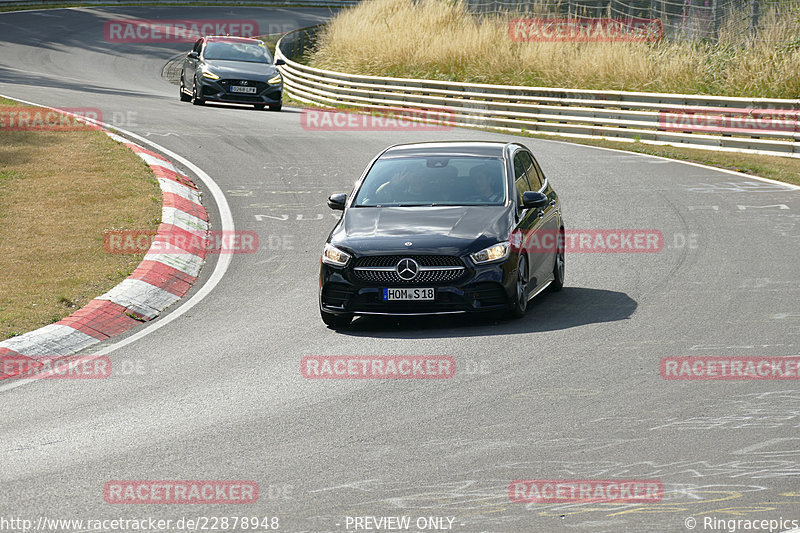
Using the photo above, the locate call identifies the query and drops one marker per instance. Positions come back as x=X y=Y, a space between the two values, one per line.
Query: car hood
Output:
x=242 y=69
x=444 y=230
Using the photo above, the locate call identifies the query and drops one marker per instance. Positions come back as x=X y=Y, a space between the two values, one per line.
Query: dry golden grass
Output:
x=439 y=39
x=58 y=192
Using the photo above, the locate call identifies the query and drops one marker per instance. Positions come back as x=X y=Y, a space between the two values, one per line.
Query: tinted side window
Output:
x=520 y=180
x=539 y=172
x=534 y=176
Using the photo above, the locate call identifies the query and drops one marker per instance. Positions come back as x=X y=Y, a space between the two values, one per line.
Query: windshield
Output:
x=250 y=52
x=418 y=181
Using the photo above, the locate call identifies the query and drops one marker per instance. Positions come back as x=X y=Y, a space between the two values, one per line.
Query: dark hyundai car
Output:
x=443 y=227
x=231 y=69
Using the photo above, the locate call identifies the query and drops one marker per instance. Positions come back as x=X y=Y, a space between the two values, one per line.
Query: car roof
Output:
x=448 y=148
x=229 y=39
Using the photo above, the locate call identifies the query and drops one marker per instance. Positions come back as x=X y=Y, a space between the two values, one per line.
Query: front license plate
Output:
x=240 y=89
x=408 y=294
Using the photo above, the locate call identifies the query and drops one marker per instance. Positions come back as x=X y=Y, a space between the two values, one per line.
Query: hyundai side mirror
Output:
x=193 y=55
x=280 y=62
x=337 y=201
x=534 y=200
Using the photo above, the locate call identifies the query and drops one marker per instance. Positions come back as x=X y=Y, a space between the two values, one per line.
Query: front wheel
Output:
x=520 y=302
x=196 y=100
x=184 y=97
x=558 y=267
x=335 y=321
x=275 y=107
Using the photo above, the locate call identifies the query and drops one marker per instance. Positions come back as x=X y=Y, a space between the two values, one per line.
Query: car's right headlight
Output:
x=497 y=252
x=208 y=74
x=275 y=79
x=333 y=256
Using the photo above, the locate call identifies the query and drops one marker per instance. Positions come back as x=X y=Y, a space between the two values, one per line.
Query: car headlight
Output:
x=275 y=79
x=208 y=74
x=497 y=252
x=334 y=256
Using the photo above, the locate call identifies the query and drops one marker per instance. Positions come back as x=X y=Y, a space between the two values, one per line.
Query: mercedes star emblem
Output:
x=407 y=269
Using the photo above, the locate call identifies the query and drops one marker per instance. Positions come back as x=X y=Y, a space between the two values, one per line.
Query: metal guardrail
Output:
x=755 y=125
x=243 y=3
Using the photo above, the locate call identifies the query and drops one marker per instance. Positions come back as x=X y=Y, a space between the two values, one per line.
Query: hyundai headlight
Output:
x=208 y=74
x=275 y=79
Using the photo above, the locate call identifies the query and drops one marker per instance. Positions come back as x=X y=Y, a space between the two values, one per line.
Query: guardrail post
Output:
x=754 y=12
x=715 y=18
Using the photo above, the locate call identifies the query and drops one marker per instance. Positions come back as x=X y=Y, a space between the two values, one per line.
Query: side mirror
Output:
x=193 y=55
x=534 y=200
x=337 y=201
x=280 y=62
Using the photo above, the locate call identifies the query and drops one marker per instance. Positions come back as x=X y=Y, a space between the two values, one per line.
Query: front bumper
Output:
x=479 y=289
x=220 y=91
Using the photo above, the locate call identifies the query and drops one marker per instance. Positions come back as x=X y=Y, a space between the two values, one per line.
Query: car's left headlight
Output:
x=275 y=79
x=334 y=256
x=208 y=74
x=497 y=252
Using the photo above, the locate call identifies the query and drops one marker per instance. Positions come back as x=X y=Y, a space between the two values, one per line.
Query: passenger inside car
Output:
x=487 y=183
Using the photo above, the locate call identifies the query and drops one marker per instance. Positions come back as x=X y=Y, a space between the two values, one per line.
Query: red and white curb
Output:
x=159 y=281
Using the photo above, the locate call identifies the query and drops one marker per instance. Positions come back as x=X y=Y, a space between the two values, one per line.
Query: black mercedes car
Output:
x=443 y=227
x=231 y=69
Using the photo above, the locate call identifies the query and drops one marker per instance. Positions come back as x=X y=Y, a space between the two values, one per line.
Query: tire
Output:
x=196 y=100
x=259 y=106
x=276 y=107
x=184 y=97
x=519 y=303
x=559 y=268
x=335 y=321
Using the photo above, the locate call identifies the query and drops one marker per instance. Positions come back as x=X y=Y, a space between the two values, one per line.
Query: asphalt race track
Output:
x=570 y=392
